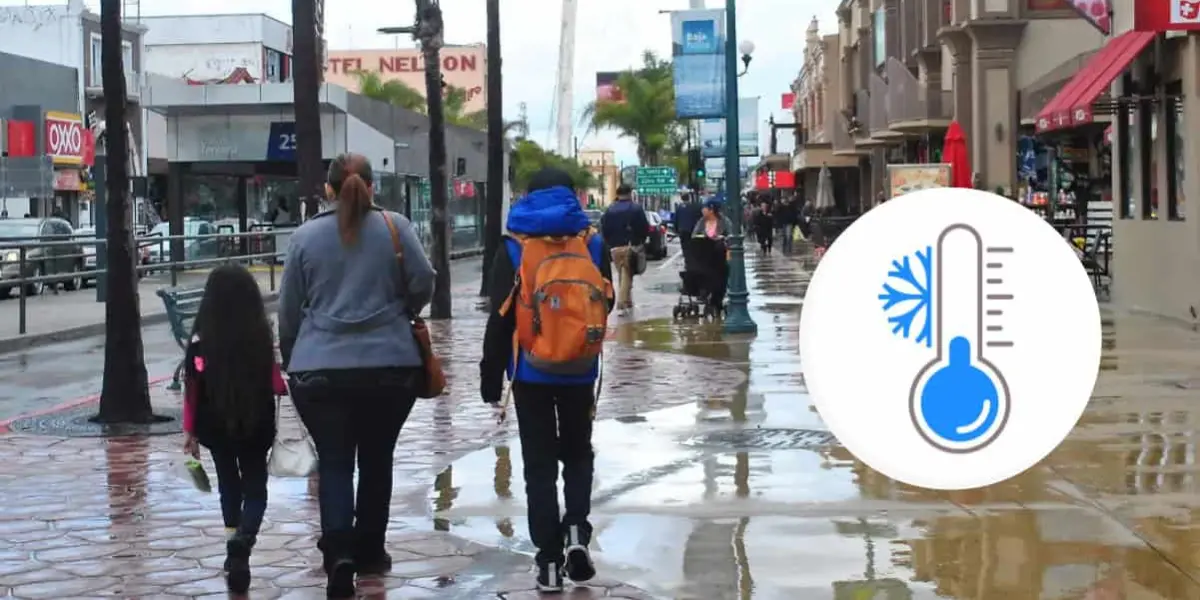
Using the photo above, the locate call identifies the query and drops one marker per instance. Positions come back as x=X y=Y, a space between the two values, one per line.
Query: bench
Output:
x=181 y=305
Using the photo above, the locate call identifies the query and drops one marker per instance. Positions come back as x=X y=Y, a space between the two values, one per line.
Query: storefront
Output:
x=69 y=149
x=1155 y=92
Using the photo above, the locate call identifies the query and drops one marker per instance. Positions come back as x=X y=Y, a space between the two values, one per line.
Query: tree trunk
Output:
x=306 y=87
x=430 y=16
x=493 y=229
x=125 y=394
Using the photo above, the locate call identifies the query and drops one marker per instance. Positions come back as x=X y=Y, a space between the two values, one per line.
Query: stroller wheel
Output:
x=675 y=313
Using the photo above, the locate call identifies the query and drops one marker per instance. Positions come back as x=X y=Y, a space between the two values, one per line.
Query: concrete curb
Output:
x=33 y=340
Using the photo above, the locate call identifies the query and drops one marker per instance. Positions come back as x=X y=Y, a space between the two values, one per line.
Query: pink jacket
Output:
x=190 y=390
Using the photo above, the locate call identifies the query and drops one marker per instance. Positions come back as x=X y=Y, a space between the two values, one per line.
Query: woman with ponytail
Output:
x=347 y=346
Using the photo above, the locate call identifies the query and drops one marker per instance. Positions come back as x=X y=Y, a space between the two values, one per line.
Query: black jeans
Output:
x=354 y=414
x=555 y=424
x=242 y=485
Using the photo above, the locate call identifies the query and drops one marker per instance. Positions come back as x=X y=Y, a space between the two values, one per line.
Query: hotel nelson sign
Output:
x=462 y=67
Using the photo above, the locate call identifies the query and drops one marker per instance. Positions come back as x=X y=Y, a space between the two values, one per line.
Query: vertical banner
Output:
x=748 y=126
x=607 y=89
x=712 y=132
x=698 y=57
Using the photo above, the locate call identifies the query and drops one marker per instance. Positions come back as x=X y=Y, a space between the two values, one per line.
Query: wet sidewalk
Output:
x=91 y=517
x=744 y=494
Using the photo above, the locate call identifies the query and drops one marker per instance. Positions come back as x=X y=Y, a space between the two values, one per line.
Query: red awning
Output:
x=1072 y=106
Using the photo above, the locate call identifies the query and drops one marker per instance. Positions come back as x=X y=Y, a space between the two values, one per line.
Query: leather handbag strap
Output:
x=398 y=248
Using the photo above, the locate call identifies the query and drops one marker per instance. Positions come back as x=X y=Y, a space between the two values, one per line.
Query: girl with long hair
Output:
x=354 y=275
x=229 y=405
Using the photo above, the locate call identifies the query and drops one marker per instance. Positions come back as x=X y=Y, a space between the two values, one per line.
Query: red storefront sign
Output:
x=20 y=138
x=775 y=180
x=787 y=101
x=64 y=138
x=89 y=148
x=1166 y=15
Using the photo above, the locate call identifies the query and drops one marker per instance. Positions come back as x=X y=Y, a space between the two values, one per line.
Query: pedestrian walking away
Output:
x=231 y=380
x=686 y=217
x=785 y=223
x=764 y=224
x=624 y=227
x=345 y=334
x=563 y=285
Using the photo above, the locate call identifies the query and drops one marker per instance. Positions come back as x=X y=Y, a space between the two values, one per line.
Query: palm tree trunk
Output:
x=125 y=394
x=306 y=87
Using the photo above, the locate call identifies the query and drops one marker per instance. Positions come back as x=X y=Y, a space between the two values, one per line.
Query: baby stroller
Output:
x=702 y=280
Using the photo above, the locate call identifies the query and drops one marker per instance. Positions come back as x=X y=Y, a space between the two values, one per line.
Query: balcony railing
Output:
x=877 y=121
x=904 y=98
x=132 y=82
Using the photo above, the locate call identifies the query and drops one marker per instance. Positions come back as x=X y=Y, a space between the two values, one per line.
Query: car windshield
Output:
x=11 y=229
x=162 y=229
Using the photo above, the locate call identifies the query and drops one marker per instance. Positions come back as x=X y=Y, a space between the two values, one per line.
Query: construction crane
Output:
x=564 y=81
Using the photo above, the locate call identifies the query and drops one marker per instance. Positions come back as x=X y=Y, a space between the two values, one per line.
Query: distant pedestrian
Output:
x=764 y=228
x=229 y=407
x=785 y=223
x=625 y=228
x=554 y=317
x=355 y=275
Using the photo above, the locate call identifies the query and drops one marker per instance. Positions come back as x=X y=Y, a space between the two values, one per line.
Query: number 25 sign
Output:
x=64 y=138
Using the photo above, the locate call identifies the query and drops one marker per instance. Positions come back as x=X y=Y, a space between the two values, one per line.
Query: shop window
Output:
x=1127 y=147
x=1147 y=133
x=1174 y=160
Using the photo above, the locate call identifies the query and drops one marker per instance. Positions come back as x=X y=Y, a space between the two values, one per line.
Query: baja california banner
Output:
x=698 y=57
x=712 y=132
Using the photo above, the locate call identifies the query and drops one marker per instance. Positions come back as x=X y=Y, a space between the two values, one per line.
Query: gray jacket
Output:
x=346 y=307
x=724 y=227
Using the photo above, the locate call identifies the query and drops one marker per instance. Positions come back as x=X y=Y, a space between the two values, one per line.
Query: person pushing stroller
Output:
x=706 y=263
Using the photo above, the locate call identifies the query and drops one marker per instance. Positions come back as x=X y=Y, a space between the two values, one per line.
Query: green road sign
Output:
x=657 y=181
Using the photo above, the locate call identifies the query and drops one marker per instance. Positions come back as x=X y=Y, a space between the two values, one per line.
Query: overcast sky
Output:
x=611 y=35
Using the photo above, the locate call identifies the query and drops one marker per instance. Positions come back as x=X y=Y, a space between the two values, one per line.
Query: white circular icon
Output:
x=950 y=338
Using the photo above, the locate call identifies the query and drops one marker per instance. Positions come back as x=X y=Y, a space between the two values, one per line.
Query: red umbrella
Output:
x=954 y=152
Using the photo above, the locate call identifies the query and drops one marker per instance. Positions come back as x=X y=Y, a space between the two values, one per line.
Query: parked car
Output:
x=160 y=252
x=656 y=238
x=39 y=260
x=87 y=236
x=594 y=216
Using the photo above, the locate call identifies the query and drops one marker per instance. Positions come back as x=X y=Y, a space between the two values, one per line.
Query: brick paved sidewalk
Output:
x=93 y=517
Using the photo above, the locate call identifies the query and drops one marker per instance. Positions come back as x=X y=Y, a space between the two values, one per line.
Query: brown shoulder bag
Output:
x=432 y=383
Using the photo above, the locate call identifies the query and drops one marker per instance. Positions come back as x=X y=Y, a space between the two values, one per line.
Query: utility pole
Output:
x=308 y=19
x=428 y=31
x=493 y=228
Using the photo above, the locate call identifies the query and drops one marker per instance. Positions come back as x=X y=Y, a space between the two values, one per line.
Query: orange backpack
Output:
x=561 y=301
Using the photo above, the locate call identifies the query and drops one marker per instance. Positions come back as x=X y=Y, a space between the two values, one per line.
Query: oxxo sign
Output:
x=64 y=138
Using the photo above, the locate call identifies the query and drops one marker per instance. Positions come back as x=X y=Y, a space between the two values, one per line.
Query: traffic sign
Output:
x=657 y=181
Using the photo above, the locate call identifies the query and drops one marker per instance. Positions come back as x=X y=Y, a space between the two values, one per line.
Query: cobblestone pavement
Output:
x=93 y=517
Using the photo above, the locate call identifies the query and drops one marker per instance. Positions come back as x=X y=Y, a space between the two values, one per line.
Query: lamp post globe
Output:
x=737 y=319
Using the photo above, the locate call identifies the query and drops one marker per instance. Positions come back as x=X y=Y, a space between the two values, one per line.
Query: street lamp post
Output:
x=737 y=319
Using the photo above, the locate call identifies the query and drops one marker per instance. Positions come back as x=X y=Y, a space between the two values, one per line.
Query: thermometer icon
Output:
x=959 y=401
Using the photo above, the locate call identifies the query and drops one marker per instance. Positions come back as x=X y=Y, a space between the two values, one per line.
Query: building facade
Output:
x=602 y=164
x=463 y=67
x=910 y=67
x=818 y=97
x=69 y=35
x=215 y=48
x=39 y=125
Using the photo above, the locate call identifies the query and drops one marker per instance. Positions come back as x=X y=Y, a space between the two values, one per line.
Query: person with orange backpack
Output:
x=551 y=294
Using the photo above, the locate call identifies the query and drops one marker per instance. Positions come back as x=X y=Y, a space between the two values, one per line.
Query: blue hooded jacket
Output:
x=550 y=211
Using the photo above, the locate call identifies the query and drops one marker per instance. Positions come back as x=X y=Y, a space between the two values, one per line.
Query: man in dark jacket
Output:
x=624 y=227
x=554 y=412
x=785 y=223
x=686 y=217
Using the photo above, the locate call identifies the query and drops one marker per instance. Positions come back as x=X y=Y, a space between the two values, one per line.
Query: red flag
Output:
x=788 y=100
x=89 y=148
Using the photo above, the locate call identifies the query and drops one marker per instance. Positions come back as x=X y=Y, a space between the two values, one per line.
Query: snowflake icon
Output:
x=907 y=297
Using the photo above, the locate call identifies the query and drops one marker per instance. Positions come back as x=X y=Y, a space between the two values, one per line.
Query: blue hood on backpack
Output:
x=550 y=211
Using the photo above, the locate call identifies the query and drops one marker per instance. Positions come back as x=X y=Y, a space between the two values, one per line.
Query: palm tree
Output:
x=646 y=111
x=394 y=91
x=125 y=392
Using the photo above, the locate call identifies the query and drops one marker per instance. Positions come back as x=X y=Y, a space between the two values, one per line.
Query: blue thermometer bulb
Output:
x=959 y=400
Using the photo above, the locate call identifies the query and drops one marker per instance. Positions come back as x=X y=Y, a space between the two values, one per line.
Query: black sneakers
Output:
x=379 y=564
x=549 y=578
x=580 y=567
x=237 y=565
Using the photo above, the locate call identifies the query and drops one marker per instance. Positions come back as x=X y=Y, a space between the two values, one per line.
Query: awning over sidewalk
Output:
x=1072 y=106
